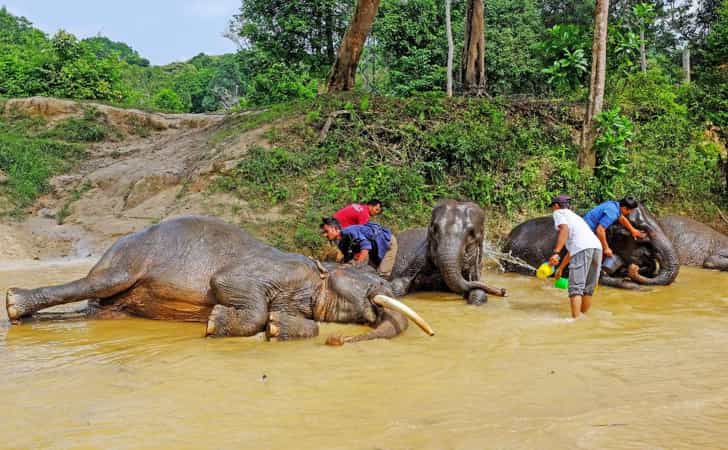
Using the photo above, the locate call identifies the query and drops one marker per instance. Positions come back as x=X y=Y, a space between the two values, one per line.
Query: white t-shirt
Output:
x=581 y=236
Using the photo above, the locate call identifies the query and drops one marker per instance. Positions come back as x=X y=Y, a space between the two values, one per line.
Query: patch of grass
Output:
x=30 y=160
x=92 y=127
x=138 y=127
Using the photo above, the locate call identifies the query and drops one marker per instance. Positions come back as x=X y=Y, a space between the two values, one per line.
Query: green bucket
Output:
x=562 y=283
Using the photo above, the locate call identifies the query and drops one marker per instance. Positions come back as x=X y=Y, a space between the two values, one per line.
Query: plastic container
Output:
x=562 y=283
x=610 y=264
x=544 y=271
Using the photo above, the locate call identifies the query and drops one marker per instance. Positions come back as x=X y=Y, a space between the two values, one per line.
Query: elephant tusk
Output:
x=396 y=305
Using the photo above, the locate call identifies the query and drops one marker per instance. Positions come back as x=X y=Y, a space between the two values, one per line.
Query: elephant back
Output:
x=411 y=250
x=531 y=241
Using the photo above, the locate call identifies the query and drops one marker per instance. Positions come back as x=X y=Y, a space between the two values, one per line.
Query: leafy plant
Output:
x=615 y=132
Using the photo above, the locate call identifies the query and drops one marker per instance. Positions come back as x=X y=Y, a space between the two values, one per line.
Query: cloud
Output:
x=211 y=9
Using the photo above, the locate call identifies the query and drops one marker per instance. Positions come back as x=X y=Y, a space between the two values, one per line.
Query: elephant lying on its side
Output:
x=203 y=270
x=696 y=244
x=446 y=256
x=652 y=261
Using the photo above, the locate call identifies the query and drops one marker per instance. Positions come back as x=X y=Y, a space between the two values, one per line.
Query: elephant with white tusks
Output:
x=202 y=269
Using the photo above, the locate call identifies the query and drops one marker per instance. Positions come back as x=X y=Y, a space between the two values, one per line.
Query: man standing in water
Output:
x=585 y=251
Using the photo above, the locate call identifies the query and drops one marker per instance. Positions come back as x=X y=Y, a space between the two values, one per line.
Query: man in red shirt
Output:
x=358 y=214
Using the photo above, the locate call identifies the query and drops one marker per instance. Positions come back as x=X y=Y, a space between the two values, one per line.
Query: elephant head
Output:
x=455 y=243
x=653 y=261
x=359 y=295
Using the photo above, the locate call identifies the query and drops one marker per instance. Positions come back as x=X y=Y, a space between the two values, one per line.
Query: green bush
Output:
x=168 y=100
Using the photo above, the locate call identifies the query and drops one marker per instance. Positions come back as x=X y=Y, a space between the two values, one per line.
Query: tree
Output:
x=343 y=72
x=472 y=72
x=644 y=13
x=292 y=32
x=587 y=157
x=450 y=45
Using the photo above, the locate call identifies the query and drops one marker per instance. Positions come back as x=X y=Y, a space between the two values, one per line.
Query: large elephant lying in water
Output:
x=445 y=256
x=696 y=244
x=652 y=261
x=204 y=270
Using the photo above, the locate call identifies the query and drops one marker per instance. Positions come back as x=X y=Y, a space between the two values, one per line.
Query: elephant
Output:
x=202 y=269
x=696 y=244
x=446 y=256
x=650 y=261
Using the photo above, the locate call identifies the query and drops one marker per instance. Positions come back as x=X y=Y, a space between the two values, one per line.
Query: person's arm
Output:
x=362 y=242
x=636 y=234
x=563 y=265
x=602 y=235
x=361 y=256
x=560 y=242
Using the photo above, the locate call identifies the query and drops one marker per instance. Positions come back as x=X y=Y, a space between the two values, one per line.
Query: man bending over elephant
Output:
x=602 y=217
x=585 y=250
x=360 y=244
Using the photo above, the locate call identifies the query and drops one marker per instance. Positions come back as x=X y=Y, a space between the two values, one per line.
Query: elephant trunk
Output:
x=450 y=263
x=392 y=323
x=666 y=257
x=452 y=273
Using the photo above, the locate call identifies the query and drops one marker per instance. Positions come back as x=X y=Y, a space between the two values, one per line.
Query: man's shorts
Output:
x=584 y=269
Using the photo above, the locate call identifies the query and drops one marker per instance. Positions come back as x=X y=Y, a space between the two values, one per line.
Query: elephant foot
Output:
x=14 y=304
x=282 y=327
x=228 y=321
x=477 y=297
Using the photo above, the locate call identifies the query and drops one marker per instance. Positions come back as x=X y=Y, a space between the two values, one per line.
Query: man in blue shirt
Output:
x=605 y=214
x=600 y=218
x=360 y=244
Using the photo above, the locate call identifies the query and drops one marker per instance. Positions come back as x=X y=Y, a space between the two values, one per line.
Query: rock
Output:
x=64 y=183
x=47 y=213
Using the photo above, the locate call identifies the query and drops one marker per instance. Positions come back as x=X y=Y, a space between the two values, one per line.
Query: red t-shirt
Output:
x=354 y=214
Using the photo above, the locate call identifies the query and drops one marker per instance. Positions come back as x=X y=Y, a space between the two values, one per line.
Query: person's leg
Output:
x=592 y=278
x=577 y=281
x=576 y=305
x=585 y=303
x=387 y=264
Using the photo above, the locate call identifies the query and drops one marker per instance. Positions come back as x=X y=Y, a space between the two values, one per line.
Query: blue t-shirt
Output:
x=369 y=236
x=604 y=214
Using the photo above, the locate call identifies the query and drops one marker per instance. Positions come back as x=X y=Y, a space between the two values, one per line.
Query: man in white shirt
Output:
x=585 y=251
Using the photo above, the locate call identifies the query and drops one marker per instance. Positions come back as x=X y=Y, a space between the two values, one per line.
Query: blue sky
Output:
x=162 y=31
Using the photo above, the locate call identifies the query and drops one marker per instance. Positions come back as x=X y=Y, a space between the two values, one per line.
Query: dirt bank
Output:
x=129 y=183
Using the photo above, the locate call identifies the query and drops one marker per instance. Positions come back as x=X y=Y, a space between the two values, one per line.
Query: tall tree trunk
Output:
x=472 y=73
x=587 y=155
x=330 y=50
x=343 y=72
x=643 y=52
x=450 y=45
x=686 y=63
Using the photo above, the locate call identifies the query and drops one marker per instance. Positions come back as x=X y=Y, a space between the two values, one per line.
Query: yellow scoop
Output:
x=544 y=271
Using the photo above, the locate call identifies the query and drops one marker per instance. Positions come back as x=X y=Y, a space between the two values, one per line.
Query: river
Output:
x=643 y=370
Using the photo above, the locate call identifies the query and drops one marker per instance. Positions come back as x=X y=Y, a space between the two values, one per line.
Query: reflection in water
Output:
x=644 y=369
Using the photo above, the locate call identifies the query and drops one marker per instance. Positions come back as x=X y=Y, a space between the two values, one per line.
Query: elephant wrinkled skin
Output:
x=204 y=270
x=696 y=244
x=446 y=256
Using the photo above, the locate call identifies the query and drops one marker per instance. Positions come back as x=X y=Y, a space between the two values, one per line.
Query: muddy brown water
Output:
x=643 y=370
